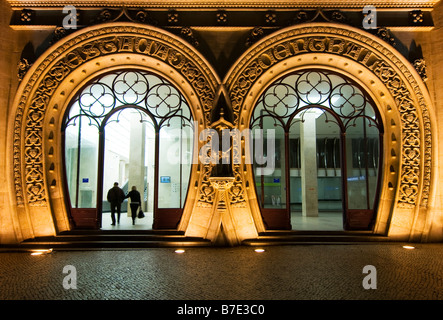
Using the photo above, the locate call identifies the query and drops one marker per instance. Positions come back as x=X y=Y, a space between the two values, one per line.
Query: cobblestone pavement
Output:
x=296 y=272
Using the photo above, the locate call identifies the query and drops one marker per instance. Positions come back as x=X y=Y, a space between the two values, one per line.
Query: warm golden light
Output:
x=408 y=247
x=38 y=252
x=259 y=250
x=180 y=251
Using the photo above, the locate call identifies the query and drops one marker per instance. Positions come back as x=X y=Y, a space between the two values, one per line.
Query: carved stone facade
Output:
x=131 y=42
x=370 y=55
x=34 y=155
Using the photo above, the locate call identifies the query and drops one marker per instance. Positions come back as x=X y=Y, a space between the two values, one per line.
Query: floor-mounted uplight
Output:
x=408 y=247
x=180 y=251
x=259 y=250
x=38 y=252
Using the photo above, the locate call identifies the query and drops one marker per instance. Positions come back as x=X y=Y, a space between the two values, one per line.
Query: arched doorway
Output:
x=327 y=151
x=386 y=76
x=35 y=155
x=117 y=129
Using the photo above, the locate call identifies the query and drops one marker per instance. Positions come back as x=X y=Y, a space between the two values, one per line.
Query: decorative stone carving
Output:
x=300 y=17
x=222 y=17
x=222 y=185
x=416 y=17
x=22 y=68
x=142 y=16
x=206 y=192
x=350 y=44
x=319 y=15
x=255 y=35
x=385 y=34
x=27 y=15
x=58 y=34
x=188 y=35
x=420 y=66
x=339 y=16
x=27 y=144
x=223 y=228
x=124 y=14
x=173 y=17
x=416 y=138
x=271 y=18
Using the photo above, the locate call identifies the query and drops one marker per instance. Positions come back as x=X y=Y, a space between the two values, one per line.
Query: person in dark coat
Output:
x=134 y=195
x=115 y=197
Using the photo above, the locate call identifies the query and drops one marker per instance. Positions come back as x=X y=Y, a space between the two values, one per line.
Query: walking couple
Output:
x=116 y=197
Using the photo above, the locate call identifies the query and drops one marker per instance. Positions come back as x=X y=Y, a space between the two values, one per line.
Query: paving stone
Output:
x=295 y=272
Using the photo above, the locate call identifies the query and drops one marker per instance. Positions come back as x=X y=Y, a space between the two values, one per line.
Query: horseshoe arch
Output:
x=35 y=153
x=402 y=99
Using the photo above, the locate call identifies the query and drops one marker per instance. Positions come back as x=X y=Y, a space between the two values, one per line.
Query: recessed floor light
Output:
x=259 y=250
x=180 y=251
x=408 y=247
x=38 y=252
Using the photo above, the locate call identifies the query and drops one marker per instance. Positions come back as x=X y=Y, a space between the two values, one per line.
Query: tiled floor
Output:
x=326 y=221
x=126 y=222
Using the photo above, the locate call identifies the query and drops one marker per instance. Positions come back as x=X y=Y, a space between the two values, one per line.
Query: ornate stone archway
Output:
x=35 y=153
x=34 y=142
x=399 y=92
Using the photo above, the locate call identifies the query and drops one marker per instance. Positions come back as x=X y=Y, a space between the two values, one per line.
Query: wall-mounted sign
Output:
x=165 y=179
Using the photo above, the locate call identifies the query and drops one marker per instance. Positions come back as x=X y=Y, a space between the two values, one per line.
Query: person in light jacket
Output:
x=134 y=195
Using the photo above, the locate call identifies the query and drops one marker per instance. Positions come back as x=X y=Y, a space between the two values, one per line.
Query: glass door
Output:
x=81 y=167
x=270 y=172
x=129 y=136
x=327 y=153
x=362 y=172
x=134 y=128
x=315 y=171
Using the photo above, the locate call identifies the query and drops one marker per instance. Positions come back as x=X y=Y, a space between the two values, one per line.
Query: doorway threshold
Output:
x=287 y=237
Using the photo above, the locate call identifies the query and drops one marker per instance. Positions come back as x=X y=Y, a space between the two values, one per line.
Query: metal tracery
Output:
x=102 y=103
x=320 y=89
x=142 y=90
x=347 y=147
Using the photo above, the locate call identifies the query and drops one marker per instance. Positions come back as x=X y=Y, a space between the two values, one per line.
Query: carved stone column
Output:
x=222 y=230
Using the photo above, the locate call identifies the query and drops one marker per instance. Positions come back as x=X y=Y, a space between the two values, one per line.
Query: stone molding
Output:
x=228 y=4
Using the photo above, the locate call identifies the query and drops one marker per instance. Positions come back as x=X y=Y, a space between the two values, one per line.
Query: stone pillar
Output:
x=222 y=229
x=137 y=155
x=9 y=228
x=309 y=182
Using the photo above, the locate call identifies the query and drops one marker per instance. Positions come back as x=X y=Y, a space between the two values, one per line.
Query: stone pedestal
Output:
x=222 y=229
